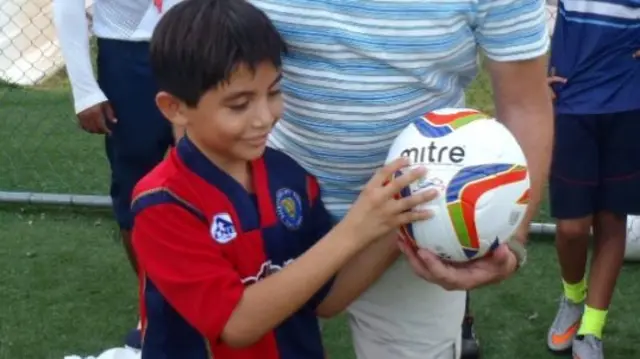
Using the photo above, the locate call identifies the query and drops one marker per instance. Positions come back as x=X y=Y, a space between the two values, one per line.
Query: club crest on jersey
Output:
x=289 y=208
x=222 y=228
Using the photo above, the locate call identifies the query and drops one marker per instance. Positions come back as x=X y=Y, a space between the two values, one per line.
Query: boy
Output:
x=120 y=104
x=235 y=247
x=595 y=172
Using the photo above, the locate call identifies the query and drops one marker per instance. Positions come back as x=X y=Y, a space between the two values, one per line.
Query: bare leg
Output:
x=608 y=257
x=572 y=243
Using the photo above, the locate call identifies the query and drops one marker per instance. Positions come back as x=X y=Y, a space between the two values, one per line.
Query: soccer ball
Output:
x=632 y=250
x=481 y=174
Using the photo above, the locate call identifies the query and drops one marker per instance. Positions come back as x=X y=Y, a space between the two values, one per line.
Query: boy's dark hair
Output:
x=198 y=44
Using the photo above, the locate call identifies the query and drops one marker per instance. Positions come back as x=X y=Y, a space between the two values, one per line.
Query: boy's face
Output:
x=232 y=122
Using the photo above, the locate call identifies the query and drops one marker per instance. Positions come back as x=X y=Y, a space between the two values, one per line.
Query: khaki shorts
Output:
x=404 y=317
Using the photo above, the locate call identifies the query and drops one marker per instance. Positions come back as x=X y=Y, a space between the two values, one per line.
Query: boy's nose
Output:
x=263 y=117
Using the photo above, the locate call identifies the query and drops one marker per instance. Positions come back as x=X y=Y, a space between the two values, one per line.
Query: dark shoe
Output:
x=470 y=344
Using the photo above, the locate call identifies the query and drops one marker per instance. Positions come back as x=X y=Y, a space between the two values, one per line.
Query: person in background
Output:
x=356 y=74
x=595 y=171
x=120 y=104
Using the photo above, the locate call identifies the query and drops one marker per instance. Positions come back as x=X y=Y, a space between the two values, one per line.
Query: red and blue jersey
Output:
x=592 y=48
x=201 y=239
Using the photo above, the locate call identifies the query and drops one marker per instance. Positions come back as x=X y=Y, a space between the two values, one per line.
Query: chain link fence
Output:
x=44 y=157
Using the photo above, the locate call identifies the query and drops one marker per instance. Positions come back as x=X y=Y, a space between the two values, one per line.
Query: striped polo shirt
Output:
x=358 y=71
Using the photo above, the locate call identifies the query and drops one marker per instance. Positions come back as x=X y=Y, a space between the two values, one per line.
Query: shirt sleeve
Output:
x=72 y=27
x=512 y=30
x=175 y=251
x=321 y=223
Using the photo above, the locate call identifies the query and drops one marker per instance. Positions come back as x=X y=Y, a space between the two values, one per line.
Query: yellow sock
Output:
x=593 y=321
x=575 y=292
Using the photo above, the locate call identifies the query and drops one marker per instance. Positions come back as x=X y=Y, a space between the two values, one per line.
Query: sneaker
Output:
x=133 y=339
x=565 y=326
x=470 y=344
x=587 y=347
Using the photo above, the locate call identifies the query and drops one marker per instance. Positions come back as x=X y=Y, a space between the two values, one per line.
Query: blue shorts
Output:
x=596 y=165
x=141 y=137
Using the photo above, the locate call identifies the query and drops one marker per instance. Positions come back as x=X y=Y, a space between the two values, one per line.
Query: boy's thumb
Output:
x=555 y=79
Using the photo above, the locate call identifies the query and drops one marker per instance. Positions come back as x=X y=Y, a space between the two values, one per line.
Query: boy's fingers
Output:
x=556 y=79
x=388 y=171
x=416 y=199
x=397 y=184
x=411 y=216
x=102 y=125
x=108 y=112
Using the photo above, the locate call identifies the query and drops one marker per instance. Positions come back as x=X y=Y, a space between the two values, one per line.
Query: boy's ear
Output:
x=171 y=108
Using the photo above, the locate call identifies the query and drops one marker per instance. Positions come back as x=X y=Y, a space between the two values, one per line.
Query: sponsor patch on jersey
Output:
x=266 y=269
x=222 y=228
x=289 y=208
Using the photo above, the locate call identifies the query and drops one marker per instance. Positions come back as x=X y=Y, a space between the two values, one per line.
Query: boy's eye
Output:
x=239 y=107
x=275 y=92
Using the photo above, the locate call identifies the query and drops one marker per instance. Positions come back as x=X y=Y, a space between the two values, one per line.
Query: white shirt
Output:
x=130 y=20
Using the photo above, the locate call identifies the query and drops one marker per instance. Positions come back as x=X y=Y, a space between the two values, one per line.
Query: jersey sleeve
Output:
x=321 y=222
x=175 y=251
x=512 y=30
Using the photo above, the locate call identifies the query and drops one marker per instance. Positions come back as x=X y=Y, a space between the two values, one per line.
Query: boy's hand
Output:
x=636 y=55
x=96 y=119
x=462 y=276
x=552 y=80
x=377 y=211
